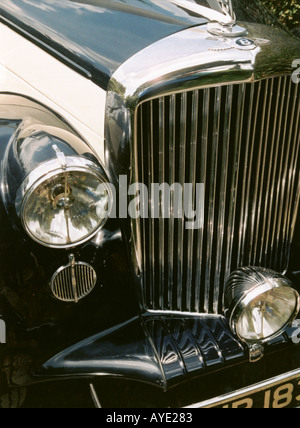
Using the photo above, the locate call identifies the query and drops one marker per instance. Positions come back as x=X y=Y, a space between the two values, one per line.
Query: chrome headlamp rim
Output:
x=258 y=290
x=49 y=170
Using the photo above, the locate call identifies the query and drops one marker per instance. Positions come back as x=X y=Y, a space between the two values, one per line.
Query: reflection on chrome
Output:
x=261 y=303
x=266 y=314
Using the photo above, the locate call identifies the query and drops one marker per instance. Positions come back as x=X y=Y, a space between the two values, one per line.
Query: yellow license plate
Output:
x=277 y=393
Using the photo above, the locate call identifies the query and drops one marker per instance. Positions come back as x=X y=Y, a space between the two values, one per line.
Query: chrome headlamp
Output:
x=261 y=304
x=64 y=202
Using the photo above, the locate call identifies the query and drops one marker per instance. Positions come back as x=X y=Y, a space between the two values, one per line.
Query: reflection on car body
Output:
x=149 y=299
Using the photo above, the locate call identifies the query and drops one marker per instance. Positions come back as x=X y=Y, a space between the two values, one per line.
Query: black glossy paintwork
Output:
x=122 y=393
x=95 y=336
x=38 y=325
x=189 y=346
x=159 y=350
x=162 y=350
x=103 y=334
x=97 y=35
x=122 y=351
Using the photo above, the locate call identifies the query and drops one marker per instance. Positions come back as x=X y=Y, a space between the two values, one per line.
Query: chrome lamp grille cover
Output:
x=242 y=141
x=73 y=282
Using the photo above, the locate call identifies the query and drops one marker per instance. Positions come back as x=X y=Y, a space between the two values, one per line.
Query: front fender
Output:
x=38 y=325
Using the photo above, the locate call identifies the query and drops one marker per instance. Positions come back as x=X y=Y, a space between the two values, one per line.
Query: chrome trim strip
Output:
x=223 y=399
x=275 y=147
x=95 y=397
x=162 y=179
x=280 y=152
x=182 y=173
x=212 y=60
x=234 y=180
x=203 y=174
x=192 y=179
x=72 y=263
x=179 y=313
x=269 y=167
x=212 y=196
x=172 y=163
x=289 y=174
x=294 y=182
x=223 y=195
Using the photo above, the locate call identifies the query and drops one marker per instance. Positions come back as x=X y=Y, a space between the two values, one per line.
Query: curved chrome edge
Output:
x=158 y=313
x=252 y=295
x=197 y=56
x=53 y=167
x=248 y=283
x=95 y=397
x=242 y=393
x=192 y=58
x=48 y=170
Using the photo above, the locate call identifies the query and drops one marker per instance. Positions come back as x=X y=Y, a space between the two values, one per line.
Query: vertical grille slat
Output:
x=236 y=165
x=281 y=185
x=276 y=179
x=223 y=193
x=261 y=166
x=272 y=171
x=242 y=143
x=268 y=168
x=161 y=162
x=181 y=181
x=212 y=177
x=254 y=182
x=294 y=184
x=192 y=176
x=283 y=188
x=203 y=150
x=246 y=184
x=172 y=167
x=151 y=222
x=288 y=171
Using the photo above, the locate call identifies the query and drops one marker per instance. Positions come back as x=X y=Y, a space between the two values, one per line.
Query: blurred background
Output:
x=287 y=11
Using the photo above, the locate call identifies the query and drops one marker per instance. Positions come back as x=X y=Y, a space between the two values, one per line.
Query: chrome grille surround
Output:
x=163 y=91
x=231 y=138
x=73 y=282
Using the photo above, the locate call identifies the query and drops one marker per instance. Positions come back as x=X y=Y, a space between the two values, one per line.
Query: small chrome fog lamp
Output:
x=261 y=303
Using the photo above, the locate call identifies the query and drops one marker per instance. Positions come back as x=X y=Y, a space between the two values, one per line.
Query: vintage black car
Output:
x=150 y=227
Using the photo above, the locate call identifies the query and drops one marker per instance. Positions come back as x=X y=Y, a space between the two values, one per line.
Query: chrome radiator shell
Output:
x=156 y=98
x=236 y=141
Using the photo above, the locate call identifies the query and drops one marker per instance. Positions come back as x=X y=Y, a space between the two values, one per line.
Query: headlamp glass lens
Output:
x=267 y=314
x=66 y=209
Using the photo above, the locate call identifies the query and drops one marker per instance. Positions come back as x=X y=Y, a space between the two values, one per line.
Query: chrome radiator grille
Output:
x=242 y=141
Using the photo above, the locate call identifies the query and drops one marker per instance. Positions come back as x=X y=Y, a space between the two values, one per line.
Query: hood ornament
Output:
x=221 y=16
